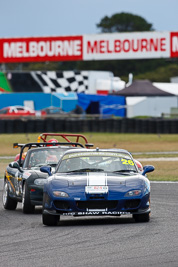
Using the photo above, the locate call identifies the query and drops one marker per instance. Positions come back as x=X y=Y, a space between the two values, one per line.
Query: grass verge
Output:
x=164 y=170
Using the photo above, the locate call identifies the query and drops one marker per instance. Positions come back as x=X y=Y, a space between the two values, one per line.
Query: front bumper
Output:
x=107 y=206
x=97 y=212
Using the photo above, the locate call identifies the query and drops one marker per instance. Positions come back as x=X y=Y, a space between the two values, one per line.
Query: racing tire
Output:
x=50 y=220
x=8 y=202
x=27 y=207
x=145 y=217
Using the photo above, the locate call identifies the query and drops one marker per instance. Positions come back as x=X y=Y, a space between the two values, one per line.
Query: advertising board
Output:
x=110 y=46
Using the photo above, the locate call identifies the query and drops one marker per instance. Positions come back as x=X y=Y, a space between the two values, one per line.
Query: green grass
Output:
x=132 y=142
x=164 y=170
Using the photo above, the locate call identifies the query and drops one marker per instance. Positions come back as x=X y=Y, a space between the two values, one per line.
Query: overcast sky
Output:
x=25 y=18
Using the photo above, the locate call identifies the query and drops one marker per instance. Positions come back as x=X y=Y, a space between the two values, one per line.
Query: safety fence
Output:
x=123 y=125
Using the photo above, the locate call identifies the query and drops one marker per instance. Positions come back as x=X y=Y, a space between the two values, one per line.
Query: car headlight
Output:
x=147 y=188
x=133 y=193
x=60 y=194
x=40 y=181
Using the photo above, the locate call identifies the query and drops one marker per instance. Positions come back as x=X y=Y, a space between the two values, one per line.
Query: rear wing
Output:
x=66 y=137
x=32 y=145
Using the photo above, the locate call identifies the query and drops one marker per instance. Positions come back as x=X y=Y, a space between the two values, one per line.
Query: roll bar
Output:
x=65 y=136
x=45 y=144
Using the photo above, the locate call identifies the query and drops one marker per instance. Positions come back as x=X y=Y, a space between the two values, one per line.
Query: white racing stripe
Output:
x=96 y=179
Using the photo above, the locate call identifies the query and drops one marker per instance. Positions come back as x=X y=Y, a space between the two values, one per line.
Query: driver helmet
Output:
x=18 y=156
x=139 y=165
x=52 y=141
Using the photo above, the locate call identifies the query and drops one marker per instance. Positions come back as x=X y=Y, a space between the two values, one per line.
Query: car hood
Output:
x=94 y=179
x=34 y=174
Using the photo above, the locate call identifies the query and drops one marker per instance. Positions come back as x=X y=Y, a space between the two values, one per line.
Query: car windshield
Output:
x=43 y=156
x=97 y=162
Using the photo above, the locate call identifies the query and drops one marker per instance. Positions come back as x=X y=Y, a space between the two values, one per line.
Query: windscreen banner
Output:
x=110 y=46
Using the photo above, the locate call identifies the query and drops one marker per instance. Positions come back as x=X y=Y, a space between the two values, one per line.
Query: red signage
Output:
x=41 y=49
x=108 y=46
x=174 y=44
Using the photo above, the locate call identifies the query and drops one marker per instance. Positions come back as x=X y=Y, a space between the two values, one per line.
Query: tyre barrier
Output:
x=76 y=125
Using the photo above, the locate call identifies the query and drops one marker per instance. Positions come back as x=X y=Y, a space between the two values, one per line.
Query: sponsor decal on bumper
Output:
x=87 y=213
x=96 y=213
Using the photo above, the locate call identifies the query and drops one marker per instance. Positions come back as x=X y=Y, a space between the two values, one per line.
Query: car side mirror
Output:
x=15 y=165
x=148 y=168
x=46 y=169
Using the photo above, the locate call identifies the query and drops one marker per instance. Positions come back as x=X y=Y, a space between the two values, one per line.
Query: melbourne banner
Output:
x=111 y=46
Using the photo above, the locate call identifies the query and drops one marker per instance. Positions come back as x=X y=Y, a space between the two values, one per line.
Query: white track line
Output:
x=158 y=159
x=164 y=182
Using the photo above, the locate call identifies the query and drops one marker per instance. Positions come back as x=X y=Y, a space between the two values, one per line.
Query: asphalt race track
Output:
x=92 y=241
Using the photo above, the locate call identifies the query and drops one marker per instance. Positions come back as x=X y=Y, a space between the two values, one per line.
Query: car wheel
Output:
x=8 y=202
x=27 y=207
x=50 y=220
x=142 y=217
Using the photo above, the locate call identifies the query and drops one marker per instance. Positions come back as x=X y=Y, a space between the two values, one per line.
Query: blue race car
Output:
x=96 y=182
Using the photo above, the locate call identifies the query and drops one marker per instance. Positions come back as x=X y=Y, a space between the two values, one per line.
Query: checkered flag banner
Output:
x=60 y=82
